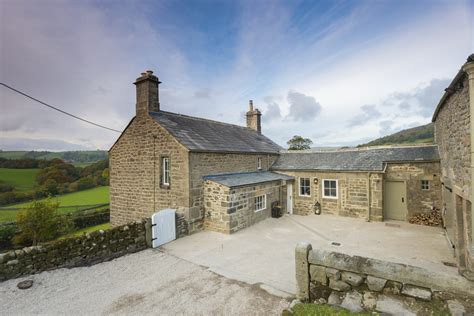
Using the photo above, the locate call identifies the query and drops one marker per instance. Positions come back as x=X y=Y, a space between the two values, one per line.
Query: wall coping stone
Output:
x=402 y=273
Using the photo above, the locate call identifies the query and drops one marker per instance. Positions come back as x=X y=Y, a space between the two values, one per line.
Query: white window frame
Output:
x=337 y=189
x=309 y=186
x=259 y=163
x=427 y=183
x=263 y=202
x=166 y=170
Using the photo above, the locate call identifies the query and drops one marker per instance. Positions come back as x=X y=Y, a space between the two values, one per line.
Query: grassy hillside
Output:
x=99 y=195
x=83 y=157
x=415 y=135
x=20 y=179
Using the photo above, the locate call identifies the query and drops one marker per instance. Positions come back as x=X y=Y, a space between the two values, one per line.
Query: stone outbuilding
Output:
x=453 y=135
x=372 y=183
x=236 y=201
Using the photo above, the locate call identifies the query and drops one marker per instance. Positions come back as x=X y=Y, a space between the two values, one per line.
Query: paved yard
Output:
x=264 y=253
x=148 y=282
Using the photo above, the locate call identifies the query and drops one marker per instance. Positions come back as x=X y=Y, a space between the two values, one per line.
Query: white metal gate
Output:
x=163 y=227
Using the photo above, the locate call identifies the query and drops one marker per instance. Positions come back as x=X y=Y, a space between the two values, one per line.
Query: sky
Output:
x=338 y=72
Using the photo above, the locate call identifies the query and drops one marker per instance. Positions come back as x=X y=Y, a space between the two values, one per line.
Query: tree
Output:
x=299 y=143
x=40 y=222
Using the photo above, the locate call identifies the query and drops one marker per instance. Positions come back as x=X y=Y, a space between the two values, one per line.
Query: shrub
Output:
x=7 y=231
x=5 y=188
x=40 y=222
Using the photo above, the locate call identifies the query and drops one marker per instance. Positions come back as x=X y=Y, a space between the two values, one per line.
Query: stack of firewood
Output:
x=430 y=219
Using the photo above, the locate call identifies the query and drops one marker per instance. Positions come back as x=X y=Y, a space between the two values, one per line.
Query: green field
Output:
x=79 y=232
x=99 y=195
x=48 y=155
x=20 y=179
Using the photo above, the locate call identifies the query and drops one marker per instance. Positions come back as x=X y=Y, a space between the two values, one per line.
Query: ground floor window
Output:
x=260 y=203
x=425 y=184
x=330 y=189
x=305 y=187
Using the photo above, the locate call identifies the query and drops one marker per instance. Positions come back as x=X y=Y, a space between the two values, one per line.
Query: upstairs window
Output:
x=259 y=163
x=305 y=187
x=425 y=185
x=330 y=189
x=165 y=165
x=260 y=203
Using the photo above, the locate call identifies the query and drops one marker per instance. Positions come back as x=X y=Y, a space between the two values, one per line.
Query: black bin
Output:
x=276 y=209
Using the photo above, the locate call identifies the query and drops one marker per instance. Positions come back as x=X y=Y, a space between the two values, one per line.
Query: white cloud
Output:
x=84 y=58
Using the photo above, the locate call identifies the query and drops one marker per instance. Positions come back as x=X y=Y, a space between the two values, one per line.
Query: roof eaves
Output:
x=447 y=93
x=235 y=152
x=325 y=170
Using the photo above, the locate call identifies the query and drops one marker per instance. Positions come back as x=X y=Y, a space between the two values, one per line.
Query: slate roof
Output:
x=354 y=160
x=246 y=178
x=204 y=135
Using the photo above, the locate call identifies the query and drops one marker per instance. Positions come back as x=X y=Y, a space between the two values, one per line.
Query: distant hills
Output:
x=86 y=156
x=415 y=135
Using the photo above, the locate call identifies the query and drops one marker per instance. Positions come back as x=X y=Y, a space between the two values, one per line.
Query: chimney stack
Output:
x=148 y=99
x=254 y=118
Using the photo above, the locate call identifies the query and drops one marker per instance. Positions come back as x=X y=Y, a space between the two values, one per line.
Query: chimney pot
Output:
x=250 y=105
x=150 y=72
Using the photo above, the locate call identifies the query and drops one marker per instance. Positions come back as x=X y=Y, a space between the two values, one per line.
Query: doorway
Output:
x=395 y=200
x=289 y=198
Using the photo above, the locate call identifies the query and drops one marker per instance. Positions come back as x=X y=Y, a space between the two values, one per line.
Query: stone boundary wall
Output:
x=88 y=249
x=320 y=272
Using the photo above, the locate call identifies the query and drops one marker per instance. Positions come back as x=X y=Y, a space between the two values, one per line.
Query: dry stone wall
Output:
x=324 y=275
x=85 y=250
x=228 y=210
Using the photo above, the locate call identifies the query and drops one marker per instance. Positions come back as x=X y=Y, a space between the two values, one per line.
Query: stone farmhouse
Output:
x=224 y=177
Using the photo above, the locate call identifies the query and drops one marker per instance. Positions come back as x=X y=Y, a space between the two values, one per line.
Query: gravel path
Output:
x=148 y=282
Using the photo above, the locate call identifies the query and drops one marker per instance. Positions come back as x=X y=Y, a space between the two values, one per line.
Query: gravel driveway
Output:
x=148 y=282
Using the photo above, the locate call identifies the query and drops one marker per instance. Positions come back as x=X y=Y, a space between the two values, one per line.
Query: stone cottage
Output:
x=453 y=130
x=161 y=159
x=225 y=177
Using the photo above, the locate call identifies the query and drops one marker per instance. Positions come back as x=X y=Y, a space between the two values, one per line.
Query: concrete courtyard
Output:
x=264 y=253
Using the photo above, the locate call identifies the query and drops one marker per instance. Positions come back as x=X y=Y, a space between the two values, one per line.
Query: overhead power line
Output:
x=59 y=110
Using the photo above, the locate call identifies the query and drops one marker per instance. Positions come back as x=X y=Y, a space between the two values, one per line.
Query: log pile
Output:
x=429 y=219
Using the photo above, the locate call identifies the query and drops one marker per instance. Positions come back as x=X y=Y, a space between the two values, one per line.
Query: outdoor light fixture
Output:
x=317 y=208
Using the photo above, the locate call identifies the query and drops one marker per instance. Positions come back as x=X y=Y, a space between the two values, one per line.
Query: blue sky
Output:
x=338 y=72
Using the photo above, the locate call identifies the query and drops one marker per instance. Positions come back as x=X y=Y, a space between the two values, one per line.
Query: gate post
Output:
x=148 y=233
x=302 y=270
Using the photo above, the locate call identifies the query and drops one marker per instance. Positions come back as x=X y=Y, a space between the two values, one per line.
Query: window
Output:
x=305 y=187
x=165 y=171
x=259 y=163
x=330 y=189
x=260 y=203
x=425 y=184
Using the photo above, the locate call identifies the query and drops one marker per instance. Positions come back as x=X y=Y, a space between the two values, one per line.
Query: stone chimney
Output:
x=148 y=99
x=254 y=118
